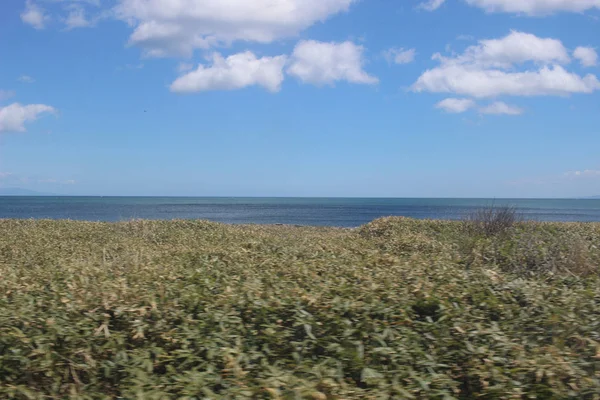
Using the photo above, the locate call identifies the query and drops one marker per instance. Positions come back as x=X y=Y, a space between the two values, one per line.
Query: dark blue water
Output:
x=344 y=212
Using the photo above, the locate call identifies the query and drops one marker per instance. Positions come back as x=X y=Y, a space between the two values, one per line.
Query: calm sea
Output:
x=343 y=212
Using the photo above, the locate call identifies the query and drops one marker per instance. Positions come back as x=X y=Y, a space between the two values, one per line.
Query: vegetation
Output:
x=396 y=309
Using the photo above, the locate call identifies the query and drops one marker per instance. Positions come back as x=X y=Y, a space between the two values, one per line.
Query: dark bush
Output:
x=492 y=221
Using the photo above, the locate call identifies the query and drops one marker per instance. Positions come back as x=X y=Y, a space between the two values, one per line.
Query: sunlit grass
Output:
x=398 y=308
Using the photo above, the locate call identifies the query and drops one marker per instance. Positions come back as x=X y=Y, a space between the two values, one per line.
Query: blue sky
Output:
x=373 y=98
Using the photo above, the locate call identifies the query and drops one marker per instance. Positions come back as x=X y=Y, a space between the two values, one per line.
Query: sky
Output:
x=325 y=98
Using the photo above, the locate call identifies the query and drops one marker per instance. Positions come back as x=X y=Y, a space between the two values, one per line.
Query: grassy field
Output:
x=396 y=309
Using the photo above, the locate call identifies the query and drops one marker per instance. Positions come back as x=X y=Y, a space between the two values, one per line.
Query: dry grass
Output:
x=199 y=310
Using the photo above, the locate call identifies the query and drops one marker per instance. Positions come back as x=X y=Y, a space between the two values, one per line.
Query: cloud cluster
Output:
x=178 y=27
x=167 y=27
x=318 y=63
x=14 y=116
x=519 y=64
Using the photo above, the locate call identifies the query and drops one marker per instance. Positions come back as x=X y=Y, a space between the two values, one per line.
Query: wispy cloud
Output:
x=534 y=7
x=400 y=55
x=527 y=182
x=34 y=15
x=77 y=18
x=563 y=178
x=6 y=94
x=501 y=108
x=184 y=67
x=131 y=67
x=588 y=173
x=467 y=38
x=26 y=79
x=57 y=181
x=431 y=5
x=33 y=180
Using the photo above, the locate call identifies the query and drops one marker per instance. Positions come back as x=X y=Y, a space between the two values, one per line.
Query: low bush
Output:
x=491 y=221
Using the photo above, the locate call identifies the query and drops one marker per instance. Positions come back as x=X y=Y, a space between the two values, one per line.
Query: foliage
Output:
x=397 y=309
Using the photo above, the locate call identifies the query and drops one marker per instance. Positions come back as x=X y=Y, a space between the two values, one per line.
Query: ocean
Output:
x=341 y=212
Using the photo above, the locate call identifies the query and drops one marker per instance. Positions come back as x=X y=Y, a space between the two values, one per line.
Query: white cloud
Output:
x=431 y=5
x=167 y=27
x=400 y=56
x=501 y=108
x=234 y=72
x=26 y=79
x=4 y=175
x=14 y=116
x=455 y=106
x=6 y=94
x=535 y=7
x=488 y=70
x=514 y=48
x=587 y=56
x=77 y=19
x=476 y=82
x=34 y=15
x=323 y=63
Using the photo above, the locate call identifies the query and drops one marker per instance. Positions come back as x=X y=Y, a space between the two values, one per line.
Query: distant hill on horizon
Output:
x=21 y=192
